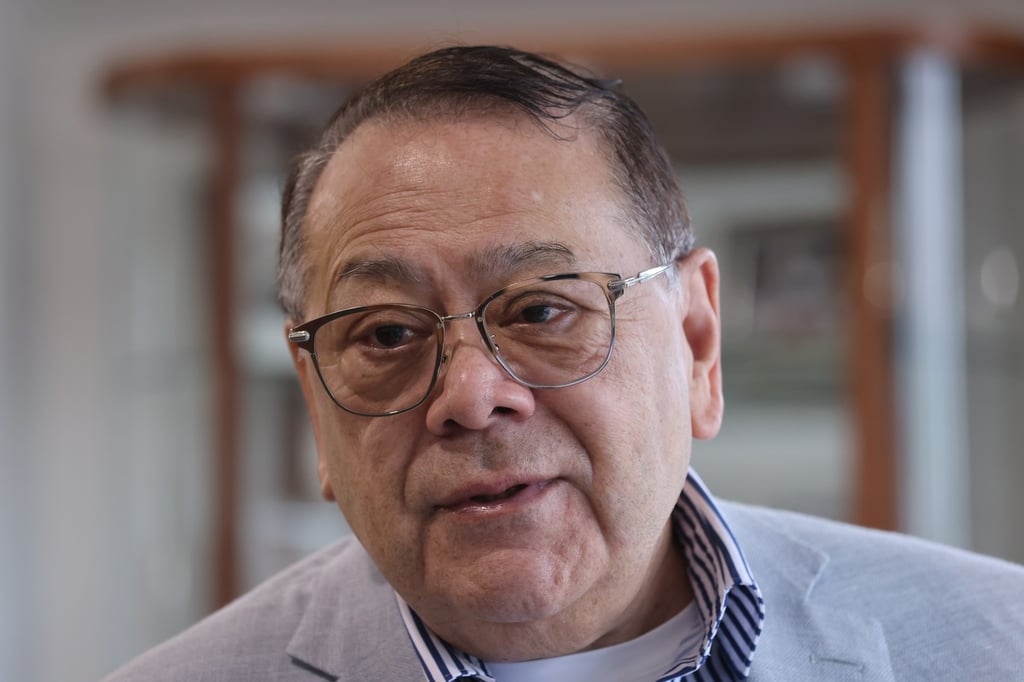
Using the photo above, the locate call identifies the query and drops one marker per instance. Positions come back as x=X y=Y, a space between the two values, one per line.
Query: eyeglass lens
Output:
x=384 y=359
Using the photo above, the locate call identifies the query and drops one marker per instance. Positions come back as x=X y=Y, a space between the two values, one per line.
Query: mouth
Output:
x=491 y=499
x=503 y=495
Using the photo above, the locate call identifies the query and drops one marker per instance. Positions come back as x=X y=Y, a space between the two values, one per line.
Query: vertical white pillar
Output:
x=931 y=331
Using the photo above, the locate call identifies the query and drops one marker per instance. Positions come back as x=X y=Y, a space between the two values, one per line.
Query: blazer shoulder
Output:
x=247 y=639
x=860 y=548
x=941 y=610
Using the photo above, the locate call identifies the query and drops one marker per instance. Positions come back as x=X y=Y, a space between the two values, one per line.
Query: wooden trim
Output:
x=650 y=51
x=988 y=47
x=870 y=364
x=225 y=129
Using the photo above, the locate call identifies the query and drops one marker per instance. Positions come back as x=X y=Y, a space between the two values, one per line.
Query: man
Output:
x=507 y=342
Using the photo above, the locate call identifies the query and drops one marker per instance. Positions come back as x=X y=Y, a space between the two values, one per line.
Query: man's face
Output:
x=441 y=214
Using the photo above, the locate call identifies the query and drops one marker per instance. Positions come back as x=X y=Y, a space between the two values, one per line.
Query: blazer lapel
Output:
x=804 y=638
x=351 y=628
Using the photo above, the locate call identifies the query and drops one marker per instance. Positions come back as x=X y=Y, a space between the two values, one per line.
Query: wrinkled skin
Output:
x=582 y=556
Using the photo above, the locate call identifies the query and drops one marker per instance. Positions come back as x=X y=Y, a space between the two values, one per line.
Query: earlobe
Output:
x=702 y=327
x=306 y=374
x=326 y=491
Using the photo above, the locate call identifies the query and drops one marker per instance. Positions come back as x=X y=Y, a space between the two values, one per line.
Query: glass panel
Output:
x=281 y=516
x=993 y=265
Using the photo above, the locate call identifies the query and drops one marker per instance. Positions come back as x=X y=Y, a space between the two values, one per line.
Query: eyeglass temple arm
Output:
x=300 y=339
x=619 y=286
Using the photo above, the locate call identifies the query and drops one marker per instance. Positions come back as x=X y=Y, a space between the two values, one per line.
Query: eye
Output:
x=390 y=336
x=386 y=330
x=532 y=309
x=535 y=314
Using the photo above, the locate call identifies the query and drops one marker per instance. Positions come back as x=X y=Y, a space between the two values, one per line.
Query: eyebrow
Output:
x=507 y=259
x=379 y=268
x=510 y=258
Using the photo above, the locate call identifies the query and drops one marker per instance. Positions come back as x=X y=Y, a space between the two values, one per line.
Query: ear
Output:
x=309 y=381
x=698 y=274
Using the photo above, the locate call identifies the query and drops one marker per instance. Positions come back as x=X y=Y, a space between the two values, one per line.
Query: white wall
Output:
x=16 y=358
x=68 y=482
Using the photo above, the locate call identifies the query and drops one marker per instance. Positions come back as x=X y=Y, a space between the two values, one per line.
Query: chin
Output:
x=512 y=605
x=509 y=589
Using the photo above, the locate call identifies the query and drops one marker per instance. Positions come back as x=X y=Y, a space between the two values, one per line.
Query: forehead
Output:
x=443 y=194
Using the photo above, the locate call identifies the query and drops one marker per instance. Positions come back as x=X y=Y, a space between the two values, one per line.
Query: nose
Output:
x=474 y=391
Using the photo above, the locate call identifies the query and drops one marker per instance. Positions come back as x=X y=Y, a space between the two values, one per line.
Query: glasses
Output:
x=547 y=332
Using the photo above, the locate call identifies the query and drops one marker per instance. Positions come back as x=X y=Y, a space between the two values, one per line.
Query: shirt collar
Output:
x=724 y=590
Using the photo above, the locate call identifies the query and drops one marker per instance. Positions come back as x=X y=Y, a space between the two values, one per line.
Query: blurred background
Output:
x=856 y=166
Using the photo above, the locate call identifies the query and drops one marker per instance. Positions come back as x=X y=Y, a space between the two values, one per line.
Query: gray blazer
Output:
x=842 y=603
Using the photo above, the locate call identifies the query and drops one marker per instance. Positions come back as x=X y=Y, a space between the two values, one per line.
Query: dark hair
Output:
x=461 y=81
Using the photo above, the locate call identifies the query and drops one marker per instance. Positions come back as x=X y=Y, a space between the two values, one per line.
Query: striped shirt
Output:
x=725 y=594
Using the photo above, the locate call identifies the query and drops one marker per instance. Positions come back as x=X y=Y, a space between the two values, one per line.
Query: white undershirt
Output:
x=643 y=659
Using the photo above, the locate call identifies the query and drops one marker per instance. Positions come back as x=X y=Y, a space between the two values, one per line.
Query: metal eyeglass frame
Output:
x=613 y=285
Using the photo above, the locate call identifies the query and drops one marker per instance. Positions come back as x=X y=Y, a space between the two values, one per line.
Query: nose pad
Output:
x=466 y=336
x=474 y=389
x=492 y=350
x=447 y=355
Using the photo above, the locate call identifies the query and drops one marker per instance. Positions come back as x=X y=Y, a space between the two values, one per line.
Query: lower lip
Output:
x=525 y=497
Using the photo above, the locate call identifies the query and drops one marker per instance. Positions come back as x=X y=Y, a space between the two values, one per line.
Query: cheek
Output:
x=366 y=471
x=633 y=420
x=645 y=390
